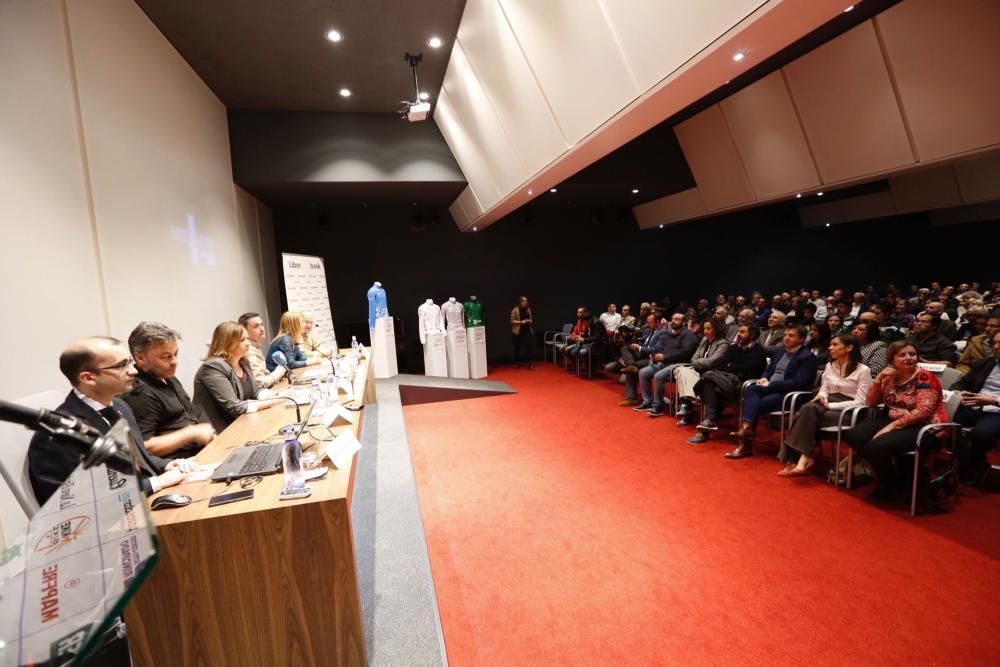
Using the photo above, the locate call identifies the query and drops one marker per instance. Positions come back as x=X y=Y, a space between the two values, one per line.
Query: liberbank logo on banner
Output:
x=63 y=533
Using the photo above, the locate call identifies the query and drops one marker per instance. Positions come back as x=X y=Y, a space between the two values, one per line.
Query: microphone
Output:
x=38 y=418
x=298 y=412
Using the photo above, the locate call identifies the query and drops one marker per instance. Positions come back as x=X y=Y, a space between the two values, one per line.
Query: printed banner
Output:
x=305 y=291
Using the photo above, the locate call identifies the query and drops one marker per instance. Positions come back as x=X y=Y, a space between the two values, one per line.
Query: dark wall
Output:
x=560 y=259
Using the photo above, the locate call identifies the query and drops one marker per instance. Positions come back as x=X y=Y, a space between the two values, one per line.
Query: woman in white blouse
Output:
x=845 y=385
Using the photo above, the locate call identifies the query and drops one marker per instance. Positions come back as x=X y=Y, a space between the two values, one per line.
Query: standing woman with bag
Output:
x=523 y=332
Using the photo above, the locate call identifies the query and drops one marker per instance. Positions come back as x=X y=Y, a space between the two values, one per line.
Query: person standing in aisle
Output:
x=523 y=333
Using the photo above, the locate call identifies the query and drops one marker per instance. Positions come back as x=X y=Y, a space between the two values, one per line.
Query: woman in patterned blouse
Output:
x=913 y=399
x=872 y=349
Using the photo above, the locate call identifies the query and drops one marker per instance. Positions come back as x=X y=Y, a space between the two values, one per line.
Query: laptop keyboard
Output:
x=261 y=460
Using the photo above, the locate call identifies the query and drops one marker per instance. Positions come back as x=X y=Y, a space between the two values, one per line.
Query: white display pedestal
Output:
x=384 y=349
x=477 y=351
x=435 y=357
x=458 y=353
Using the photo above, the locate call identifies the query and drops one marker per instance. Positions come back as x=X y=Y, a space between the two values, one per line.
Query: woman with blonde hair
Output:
x=224 y=386
x=288 y=341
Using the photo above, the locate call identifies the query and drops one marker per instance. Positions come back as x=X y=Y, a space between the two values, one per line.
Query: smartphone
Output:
x=234 y=497
x=290 y=494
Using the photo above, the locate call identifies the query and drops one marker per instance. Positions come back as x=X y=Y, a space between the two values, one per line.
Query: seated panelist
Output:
x=288 y=342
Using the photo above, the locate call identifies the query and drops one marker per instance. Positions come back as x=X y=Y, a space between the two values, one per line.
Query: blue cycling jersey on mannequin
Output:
x=378 y=305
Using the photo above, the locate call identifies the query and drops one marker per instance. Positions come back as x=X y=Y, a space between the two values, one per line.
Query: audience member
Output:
x=845 y=384
x=611 y=319
x=719 y=387
x=979 y=346
x=678 y=346
x=170 y=424
x=819 y=342
x=254 y=325
x=980 y=411
x=638 y=354
x=772 y=337
x=870 y=346
x=224 y=387
x=836 y=323
x=99 y=369
x=793 y=368
x=628 y=319
x=946 y=327
x=931 y=346
x=913 y=398
x=584 y=332
x=710 y=352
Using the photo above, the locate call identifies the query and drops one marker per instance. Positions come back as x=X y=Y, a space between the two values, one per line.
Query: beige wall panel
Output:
x=51 y=290
x=924 y=189
x=476 y=170
x=658 y=36
x=715 y=164
x=845 y=101
x=769 y=138
x=492 y=50
x=458 y=213
x=480 y=122
x=944 y=56
x=865 y=207
x=979 y=178
x=678 y=206
x=470 y=204
x=269 y=268
x=172 y=247
x=575 y=58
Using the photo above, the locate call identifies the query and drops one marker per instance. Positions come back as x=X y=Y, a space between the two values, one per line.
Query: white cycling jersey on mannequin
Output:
x=429 y=319
x=454 y=313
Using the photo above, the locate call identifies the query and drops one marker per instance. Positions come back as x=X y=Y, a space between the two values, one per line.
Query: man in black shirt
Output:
x=931 y=346
x=171 y=426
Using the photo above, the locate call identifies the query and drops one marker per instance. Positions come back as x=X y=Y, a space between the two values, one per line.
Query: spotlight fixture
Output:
x=334 y=35
x=345 y=92
x=435 y=42
x=738 y=56
x=819 y=194
x=849 y=9
x=474 y=228
x=424 y=96
x=661 y=226
x=553 y=190
x=635 y=191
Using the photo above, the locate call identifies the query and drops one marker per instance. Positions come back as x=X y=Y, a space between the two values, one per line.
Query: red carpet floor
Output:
x=564 y=530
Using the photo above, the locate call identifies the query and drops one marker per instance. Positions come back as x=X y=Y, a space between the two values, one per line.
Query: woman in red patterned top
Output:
x=913 y=398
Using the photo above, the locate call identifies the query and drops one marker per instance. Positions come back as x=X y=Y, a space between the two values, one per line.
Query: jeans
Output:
x=985 y=429
x=757 y=400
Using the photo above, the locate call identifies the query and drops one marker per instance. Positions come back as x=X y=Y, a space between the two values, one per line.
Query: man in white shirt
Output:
x=254 y=325
x=611 y=319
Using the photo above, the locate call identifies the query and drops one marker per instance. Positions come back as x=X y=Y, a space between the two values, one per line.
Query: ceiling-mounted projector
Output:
x=414 y=111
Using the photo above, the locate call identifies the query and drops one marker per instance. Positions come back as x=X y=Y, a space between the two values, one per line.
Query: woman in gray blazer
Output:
x=224 y=386
x=710 y=353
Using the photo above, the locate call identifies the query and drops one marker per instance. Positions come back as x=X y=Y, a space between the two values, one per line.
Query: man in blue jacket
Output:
x=793 y=368
x=650 y=342
x=679 y=345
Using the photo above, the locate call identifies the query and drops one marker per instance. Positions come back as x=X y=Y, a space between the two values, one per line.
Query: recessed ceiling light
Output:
x=425 y=96
x=530 y=192
x=828 y=224
x=435 y=42
x=661 y=226
x=553 y=190
x=798 y=196
x=738 y=56
x=474 y=229
x=849 y=9
x=334 y=35
x=819 y=194
x=635 y=191
x=345 y=92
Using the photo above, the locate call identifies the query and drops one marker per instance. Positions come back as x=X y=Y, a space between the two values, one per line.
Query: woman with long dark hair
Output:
x=523 y=333
x=819 y=341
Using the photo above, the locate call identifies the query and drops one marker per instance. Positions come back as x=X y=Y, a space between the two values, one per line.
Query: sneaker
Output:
x=628 y=402
x=656 y=412
x=708 y=425
x=685 y=420
x=643 y=407
x=683 y=410
x=698 y=438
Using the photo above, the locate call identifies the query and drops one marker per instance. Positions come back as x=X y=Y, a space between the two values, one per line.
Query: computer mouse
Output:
x=171 y=500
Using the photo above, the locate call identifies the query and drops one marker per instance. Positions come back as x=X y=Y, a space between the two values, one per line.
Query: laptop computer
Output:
x=256 y=459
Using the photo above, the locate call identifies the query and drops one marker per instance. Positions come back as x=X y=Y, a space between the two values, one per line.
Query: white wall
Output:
x=116 y=195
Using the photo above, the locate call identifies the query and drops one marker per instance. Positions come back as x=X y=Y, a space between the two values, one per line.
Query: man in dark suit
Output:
x=980 y=411
x=793 y=368
x=99 y=368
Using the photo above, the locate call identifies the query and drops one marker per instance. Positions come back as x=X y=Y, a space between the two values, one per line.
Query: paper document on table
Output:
x=318 y=372
x=342 y=449
x=201 y=473
x=302 y=397
x=335 y=412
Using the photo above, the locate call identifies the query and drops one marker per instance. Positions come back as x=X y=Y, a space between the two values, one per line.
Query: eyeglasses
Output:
x=122 y=365
x=250 y=482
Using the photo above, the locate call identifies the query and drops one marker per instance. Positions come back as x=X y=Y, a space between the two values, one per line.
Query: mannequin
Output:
x=473 y=312
x=429 y=319
x=454 y=313
x=378 y=304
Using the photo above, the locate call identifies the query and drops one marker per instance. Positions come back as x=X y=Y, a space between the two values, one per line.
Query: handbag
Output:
x=861 y=475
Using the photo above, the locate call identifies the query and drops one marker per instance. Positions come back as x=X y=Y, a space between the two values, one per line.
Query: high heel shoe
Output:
x=804 y=470
x=787 y=470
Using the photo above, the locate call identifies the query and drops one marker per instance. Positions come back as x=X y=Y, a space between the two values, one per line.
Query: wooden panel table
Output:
x=257 y=582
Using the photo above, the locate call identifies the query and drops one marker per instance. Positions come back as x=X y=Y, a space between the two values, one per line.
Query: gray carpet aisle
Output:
x=398 y=603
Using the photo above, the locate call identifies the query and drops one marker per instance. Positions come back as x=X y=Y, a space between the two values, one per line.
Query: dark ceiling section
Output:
x=272 y=54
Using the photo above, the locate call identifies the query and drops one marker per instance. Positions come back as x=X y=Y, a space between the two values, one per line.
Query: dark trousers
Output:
x=881 y=451
x=524 y=343
x=985 y=429
x=758 y=400
x=801 y=438
x=714 y=399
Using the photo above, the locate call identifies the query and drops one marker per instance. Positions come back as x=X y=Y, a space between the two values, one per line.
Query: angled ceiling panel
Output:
x=714 y=161
x=458 y=213
x=470 y=204
x=477 y=171
x=662 y=211
x=658 y=36
x=845 y=101
x=769 y=138
x=492 y=50
x=944 y=57
x=576 y=60
x=925 y=189
x=979 y=178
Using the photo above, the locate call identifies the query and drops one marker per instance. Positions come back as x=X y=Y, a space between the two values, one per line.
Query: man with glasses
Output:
x=932 y=347
x=171 y=426
x=99 y=369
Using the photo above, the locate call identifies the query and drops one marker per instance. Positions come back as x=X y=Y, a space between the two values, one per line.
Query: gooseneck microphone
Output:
x=39 y=418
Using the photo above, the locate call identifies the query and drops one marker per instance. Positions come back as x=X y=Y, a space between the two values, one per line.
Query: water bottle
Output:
x=354 y=345
x=331 y=387
x=315 y=394
x=291 y=460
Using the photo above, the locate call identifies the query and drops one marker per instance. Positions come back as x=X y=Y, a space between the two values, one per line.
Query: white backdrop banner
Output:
x=305 y=291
